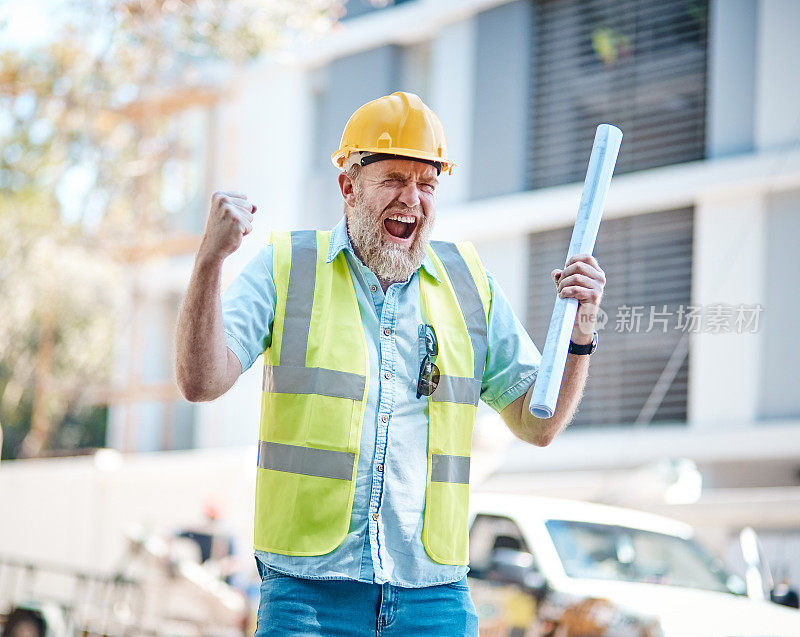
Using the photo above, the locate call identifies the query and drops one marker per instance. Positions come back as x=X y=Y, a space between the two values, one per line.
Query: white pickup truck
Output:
x=560 y=568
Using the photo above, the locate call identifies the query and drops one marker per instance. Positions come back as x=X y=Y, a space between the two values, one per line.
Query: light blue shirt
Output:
x=392 y=464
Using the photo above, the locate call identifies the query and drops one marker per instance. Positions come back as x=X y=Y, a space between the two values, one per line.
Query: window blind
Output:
x=648 y=264
x=637 y=64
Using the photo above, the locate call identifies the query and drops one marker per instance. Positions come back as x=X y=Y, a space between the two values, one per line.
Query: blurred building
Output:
x=694 y=378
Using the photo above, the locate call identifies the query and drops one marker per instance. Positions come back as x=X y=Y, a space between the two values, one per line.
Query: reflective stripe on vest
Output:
x=457 y=389
x=449 y=468
x=469 y=300
x=323 y=463
x=300 y=297
x=313 y=380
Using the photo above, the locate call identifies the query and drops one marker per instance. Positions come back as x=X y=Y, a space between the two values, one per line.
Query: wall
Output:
x=109 y=494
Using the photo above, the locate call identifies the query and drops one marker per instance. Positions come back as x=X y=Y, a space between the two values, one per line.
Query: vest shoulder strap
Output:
x=471 y=286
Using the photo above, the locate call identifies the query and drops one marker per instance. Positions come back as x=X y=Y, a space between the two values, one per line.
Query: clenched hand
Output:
x=230 y=219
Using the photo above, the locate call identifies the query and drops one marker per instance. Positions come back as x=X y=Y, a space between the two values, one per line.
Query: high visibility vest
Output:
x=316 y=378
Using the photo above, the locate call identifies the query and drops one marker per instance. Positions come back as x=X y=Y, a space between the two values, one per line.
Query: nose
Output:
x=409 y=195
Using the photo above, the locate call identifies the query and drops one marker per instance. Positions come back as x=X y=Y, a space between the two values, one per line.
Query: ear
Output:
x=346 y=186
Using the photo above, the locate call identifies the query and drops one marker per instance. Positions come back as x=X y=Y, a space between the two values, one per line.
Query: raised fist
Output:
x=231 y=218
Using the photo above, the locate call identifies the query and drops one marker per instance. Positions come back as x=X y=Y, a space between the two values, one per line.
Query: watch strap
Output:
x=587 y=349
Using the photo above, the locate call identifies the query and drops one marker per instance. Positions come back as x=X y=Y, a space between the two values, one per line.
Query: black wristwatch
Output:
x=588 y=349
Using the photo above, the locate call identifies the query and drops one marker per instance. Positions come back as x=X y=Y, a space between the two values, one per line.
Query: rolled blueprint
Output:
x=554 y=357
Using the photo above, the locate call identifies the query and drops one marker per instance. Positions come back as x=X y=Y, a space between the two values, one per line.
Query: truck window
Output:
x=490 y=532
x=604 y=551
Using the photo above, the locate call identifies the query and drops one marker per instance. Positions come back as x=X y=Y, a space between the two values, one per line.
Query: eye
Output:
x=427 y=188
x=392 y=182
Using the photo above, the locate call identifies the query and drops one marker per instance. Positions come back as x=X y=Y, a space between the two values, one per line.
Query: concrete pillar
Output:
x=271 y=155
x=507 y=260
x=452 y=91
x=731 y=77
x=780 y=367
x=777 y=78
x=728 y=257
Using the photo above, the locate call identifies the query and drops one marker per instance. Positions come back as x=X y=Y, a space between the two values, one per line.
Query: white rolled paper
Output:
x=607 y=140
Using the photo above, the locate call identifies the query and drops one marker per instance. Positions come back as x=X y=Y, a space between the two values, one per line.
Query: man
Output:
x=377 y=346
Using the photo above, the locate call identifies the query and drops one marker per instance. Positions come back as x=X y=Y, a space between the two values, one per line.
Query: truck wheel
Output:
x=24 y=623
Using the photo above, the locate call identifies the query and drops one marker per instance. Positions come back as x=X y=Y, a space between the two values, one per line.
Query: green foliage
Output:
x=50 y=279
x=84 y=124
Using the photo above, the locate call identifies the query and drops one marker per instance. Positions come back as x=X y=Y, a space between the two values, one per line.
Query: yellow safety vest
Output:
x=316 y=375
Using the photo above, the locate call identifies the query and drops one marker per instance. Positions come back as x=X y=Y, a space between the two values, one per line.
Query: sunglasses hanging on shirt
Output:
x=428 y=372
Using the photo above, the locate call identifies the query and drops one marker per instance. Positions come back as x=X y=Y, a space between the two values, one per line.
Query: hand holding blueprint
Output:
x=607 y=141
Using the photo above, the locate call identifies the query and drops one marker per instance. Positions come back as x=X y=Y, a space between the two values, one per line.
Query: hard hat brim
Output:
x=340 y=155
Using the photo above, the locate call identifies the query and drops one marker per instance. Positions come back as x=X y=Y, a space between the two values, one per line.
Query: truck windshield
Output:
x=604 y=551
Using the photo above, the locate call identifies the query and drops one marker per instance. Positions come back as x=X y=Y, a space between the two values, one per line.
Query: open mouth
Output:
x=400 y=226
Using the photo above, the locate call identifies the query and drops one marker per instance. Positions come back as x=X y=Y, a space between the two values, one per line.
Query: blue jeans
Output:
x=327 y=608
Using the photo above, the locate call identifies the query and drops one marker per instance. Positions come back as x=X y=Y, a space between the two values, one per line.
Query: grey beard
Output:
x=388 y=261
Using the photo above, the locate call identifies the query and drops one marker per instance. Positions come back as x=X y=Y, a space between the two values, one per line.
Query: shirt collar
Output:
x=340 y=240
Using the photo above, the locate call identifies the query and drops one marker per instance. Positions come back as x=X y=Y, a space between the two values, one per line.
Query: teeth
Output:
x=403 y=218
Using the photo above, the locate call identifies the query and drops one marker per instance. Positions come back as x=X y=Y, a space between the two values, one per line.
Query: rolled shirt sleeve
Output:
x=512 y=359
x=248 y=309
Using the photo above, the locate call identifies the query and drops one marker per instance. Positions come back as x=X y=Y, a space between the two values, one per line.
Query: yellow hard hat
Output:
x=396 y=125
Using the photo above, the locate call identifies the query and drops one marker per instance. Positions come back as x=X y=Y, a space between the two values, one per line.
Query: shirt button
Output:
x=374 y=516
x=380 y=467
x=387 y=375
x=384 y=418
x=387 y=331
x=373 y=288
